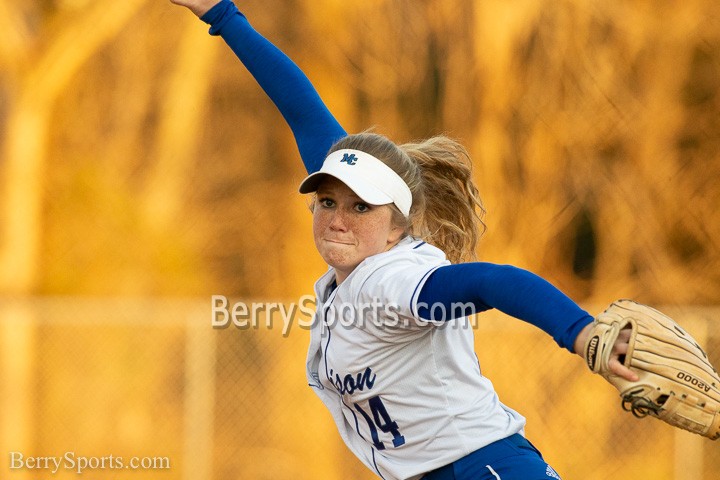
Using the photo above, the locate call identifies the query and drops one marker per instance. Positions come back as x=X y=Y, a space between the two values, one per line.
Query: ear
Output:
x=395 y=235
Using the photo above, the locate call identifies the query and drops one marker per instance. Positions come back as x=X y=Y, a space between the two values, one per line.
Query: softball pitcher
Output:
x=391 y=353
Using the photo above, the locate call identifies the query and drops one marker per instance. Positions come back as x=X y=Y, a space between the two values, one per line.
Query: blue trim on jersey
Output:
x=328 y=304
x=327 y=373
x=375 y=463
x=418 y=245
x=357 y=424
x=327 y=345
x=415 y=292
x=313 y=125
x=511 y=290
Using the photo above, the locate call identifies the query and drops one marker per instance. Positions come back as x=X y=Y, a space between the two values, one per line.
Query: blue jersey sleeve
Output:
x=314 y=127
x=511 y=290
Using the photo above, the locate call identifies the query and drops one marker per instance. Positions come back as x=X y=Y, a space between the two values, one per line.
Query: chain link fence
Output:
x=135 y=389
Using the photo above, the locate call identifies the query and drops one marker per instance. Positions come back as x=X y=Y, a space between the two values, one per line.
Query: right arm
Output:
x=314 y=127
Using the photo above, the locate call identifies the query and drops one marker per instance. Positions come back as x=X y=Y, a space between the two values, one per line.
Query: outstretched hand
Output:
x=619 y=350
x=198 y=7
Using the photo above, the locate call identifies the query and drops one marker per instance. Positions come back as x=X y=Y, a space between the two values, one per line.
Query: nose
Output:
x=338 y=222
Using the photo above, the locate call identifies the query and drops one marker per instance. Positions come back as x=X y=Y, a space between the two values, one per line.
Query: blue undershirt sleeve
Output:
x=314 y=127
x=513 y=291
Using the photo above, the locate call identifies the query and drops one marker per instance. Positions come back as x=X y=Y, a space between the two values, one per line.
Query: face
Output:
x=347 y=230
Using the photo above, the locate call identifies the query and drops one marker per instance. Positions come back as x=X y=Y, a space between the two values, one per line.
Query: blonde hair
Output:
x=446 y=209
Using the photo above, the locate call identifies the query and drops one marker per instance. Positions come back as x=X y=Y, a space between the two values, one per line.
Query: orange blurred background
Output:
x=142 y=170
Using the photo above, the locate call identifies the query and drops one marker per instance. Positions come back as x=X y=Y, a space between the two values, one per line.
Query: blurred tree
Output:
x=42 y=57
x=42 y=70
x=579 y=116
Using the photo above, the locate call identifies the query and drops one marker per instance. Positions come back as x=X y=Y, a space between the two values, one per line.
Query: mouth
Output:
x=339 y=242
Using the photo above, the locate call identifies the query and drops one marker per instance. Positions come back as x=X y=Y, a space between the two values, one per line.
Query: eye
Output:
x=326 y=202
x=362 y=207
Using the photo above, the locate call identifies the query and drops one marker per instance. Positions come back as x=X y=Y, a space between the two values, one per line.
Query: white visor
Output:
x=368 y=177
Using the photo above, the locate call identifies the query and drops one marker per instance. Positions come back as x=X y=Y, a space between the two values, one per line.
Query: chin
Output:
x=339 y=262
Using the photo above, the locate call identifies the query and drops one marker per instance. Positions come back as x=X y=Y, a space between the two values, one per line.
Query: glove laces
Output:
x=642 y=407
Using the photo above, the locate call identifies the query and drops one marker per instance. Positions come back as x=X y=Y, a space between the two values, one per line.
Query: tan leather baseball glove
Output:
x=677 y=383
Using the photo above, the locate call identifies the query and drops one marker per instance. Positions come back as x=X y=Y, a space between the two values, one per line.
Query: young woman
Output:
x=390 y=353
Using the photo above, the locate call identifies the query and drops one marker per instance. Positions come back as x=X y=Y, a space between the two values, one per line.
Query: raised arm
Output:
x=314 y=127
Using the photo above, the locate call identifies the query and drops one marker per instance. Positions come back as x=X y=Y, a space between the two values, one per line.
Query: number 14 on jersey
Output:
x=380 y=419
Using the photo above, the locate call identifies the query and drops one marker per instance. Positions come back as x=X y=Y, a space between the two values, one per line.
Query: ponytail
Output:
x=446 y=211
x=452 y=217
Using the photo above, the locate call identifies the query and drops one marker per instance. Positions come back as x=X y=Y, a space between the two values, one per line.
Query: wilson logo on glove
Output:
x=591 y=355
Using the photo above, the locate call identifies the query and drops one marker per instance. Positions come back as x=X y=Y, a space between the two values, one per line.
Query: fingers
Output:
x=620 y=348
x=624 y=335
x=621 y=370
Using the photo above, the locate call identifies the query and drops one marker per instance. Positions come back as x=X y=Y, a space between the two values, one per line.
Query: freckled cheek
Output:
x=374 y=234
x=316 y=227
x=320 y=225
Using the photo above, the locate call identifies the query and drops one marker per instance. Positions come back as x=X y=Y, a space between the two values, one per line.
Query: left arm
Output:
x=514 y=291
x=518 y=293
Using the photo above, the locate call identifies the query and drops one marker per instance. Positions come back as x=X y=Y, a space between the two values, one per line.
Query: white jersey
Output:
x=407 y=397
